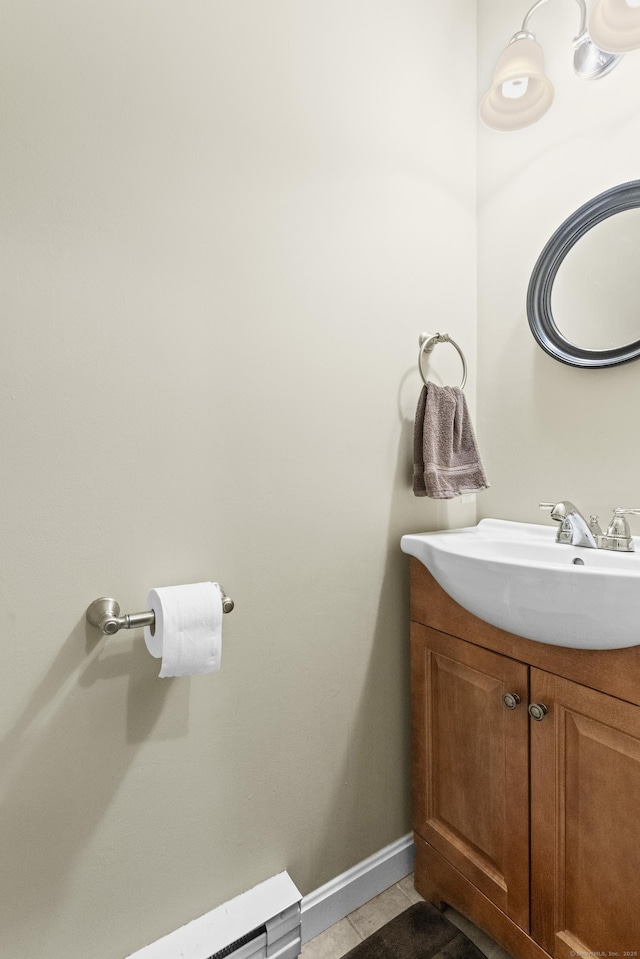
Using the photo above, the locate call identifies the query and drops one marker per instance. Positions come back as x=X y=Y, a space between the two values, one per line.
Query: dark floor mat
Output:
x=420 y=932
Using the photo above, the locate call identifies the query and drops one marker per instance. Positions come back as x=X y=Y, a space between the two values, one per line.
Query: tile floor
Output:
x=339 y=939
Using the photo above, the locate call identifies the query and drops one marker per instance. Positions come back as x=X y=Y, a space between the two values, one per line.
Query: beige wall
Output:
x=224 y=226
x=549 y=431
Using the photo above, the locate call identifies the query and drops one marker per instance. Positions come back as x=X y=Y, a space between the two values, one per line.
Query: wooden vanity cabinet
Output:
x=471 y=774
x=529 y=828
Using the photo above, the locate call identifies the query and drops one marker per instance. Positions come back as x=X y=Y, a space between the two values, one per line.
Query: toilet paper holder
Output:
x=104 y=613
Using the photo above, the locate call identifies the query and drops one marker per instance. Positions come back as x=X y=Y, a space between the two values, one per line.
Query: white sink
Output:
x=515 y=576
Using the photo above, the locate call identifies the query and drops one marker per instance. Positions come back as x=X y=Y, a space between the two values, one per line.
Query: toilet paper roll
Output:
x=187 y=634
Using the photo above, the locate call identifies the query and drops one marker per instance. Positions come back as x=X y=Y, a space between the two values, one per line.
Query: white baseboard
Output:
x=340 y=896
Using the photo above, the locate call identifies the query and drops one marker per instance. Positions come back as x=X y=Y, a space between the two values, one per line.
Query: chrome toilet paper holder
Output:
x=104 y=614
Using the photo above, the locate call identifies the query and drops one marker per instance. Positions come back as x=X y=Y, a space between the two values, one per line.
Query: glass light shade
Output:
x=520 y=65
x=614 y=25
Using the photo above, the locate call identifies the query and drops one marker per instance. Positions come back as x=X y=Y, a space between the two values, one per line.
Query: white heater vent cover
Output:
x=263 y=923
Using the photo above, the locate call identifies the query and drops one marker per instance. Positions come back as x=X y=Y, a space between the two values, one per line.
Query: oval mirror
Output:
x=583 y=301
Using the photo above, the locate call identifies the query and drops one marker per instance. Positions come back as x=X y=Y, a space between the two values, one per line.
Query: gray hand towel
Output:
x=446 y=461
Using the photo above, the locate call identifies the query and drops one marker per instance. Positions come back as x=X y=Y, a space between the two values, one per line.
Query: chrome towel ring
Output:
x=427 y=341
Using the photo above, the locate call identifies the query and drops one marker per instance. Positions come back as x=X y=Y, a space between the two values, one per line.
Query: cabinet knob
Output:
x=511 y=700
x=538 y=711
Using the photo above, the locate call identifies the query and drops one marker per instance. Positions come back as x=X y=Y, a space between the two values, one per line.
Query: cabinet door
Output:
x=585 y=821
x=471 y=765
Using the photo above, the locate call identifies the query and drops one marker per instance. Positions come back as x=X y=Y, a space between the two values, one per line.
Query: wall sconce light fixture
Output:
x=521 y=93
x=615 y=25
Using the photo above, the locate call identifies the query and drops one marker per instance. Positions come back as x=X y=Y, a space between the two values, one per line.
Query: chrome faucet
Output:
x=575 y=531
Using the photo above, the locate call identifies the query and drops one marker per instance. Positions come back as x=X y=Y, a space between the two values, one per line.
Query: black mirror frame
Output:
x=626 y=196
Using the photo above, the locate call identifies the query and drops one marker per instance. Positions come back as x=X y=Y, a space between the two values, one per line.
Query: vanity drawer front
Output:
x=471 y=764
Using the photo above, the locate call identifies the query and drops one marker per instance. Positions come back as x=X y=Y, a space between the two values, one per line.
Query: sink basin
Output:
x=515 y=576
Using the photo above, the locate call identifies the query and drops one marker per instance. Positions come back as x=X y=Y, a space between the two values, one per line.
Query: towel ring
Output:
x=427 y=341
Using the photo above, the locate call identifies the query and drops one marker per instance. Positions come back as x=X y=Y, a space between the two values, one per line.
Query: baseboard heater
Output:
x=263 y=923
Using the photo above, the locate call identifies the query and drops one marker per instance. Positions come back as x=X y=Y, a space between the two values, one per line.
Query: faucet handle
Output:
x=559 y=511
x=618 y=533
x=557 y=514
x=618 y=525
x=619 y=522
